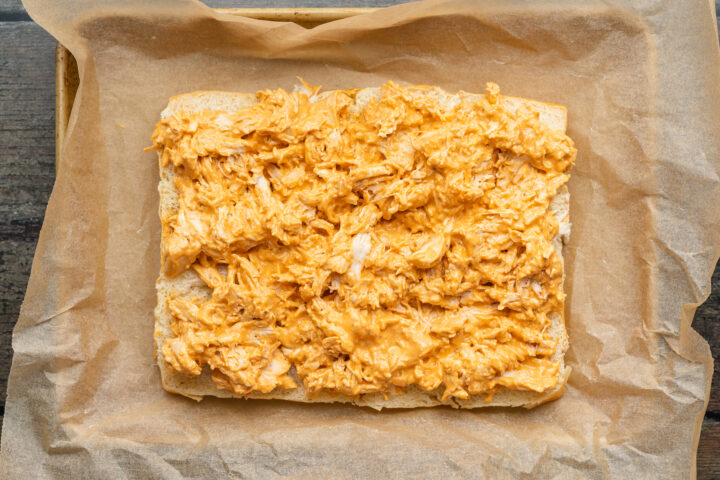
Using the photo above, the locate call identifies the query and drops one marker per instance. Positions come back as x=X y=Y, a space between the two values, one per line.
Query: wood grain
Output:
x=708 y=456
x=707 y=324
x=27 y=165
x=27 y=172
x=12 y=10
x=14 y=7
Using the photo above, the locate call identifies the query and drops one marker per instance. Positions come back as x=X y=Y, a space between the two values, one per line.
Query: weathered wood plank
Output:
x=708 y=456
x=707 y=324
x=27 y=165
x=12 y=10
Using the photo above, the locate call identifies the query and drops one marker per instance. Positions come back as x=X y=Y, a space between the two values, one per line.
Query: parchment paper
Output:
x=641 y=85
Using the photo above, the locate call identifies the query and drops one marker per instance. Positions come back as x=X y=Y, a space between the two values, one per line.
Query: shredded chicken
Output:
x=404 y=243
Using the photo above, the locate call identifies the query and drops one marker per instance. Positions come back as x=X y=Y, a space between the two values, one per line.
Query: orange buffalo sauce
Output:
x=373 y=242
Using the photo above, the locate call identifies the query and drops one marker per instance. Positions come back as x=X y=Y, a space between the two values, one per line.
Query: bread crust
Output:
x=190 y=284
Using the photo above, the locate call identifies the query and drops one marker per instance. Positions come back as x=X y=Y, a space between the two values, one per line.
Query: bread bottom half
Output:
x=189 y=284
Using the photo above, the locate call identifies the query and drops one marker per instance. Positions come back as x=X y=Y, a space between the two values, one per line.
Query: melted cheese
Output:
x=405 y=242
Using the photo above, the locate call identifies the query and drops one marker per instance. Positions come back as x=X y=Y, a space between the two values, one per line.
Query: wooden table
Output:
x=27 y=172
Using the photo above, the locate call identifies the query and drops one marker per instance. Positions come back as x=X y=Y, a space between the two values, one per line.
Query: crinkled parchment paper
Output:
x=641 y=83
